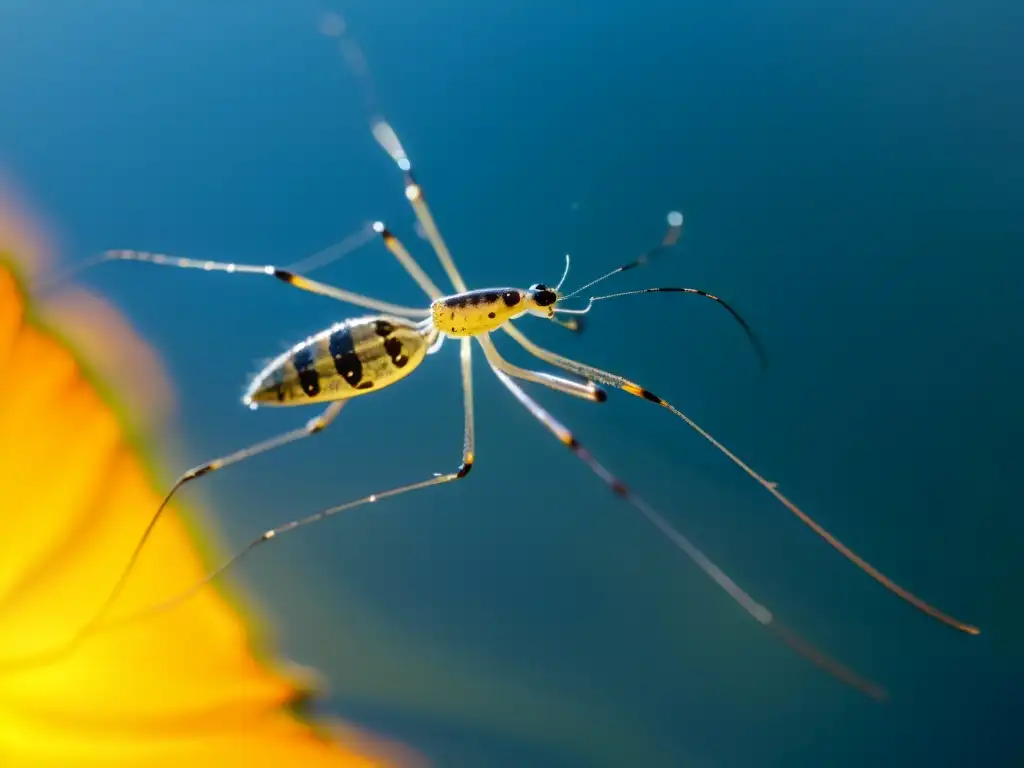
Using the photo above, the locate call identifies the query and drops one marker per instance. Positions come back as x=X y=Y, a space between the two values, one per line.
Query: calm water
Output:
x=852 y=180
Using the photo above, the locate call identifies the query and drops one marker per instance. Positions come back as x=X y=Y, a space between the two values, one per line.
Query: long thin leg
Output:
x=306 y=265
x=298 y=281
x=468 y=457
x=406 y=260
x=334 y=26
x=333 y=252
x=755 y=609
x=350 y=243
x=388 y=139
x=587 y=391
x=312 y=427
x=613 y=380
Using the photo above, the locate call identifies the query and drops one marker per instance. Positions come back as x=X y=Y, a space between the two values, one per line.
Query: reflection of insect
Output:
x=360 y=356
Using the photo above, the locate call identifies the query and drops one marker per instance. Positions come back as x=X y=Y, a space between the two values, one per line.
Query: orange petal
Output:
x=179 y=688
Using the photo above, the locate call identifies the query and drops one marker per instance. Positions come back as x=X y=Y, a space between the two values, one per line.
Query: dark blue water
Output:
x=852 y=179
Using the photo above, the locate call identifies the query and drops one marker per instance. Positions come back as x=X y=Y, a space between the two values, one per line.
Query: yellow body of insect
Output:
x=348 y=359
x=475 y=312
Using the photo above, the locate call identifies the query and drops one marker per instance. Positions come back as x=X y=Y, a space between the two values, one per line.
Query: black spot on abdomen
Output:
x=346 y=362
x=305 y=366
x=394 y=349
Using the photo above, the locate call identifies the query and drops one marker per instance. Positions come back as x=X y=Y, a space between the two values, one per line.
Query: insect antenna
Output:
x=675 y=231
x=565 y=274
x=752 y=337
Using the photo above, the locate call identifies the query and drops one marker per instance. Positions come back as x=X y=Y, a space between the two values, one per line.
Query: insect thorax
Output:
x=474 y=312
x=348 y=359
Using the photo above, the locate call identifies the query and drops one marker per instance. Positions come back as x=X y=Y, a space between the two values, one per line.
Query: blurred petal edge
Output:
x=185 y=688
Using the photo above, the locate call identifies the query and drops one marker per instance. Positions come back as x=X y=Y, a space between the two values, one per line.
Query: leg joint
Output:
x=465 y=466
x=199 y=471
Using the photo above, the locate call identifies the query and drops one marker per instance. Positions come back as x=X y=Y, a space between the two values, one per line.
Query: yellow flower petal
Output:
x=182 y=688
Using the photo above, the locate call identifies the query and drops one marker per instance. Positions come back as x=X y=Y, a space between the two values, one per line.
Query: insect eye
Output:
x=542 y=295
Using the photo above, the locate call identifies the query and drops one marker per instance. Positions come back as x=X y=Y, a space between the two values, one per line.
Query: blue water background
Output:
x=851 y=175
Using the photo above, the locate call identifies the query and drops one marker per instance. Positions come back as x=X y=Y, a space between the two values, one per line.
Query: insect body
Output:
x=348 y=359
x=363 y=355
x=474 y=312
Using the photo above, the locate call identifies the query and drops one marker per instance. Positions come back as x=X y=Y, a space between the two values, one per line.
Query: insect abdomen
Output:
x=473 y=312
x=346 y=360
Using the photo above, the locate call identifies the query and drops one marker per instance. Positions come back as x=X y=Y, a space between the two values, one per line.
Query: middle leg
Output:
x=751 y=606
x=614 y=380
x=468 y=458
x=588 y=391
